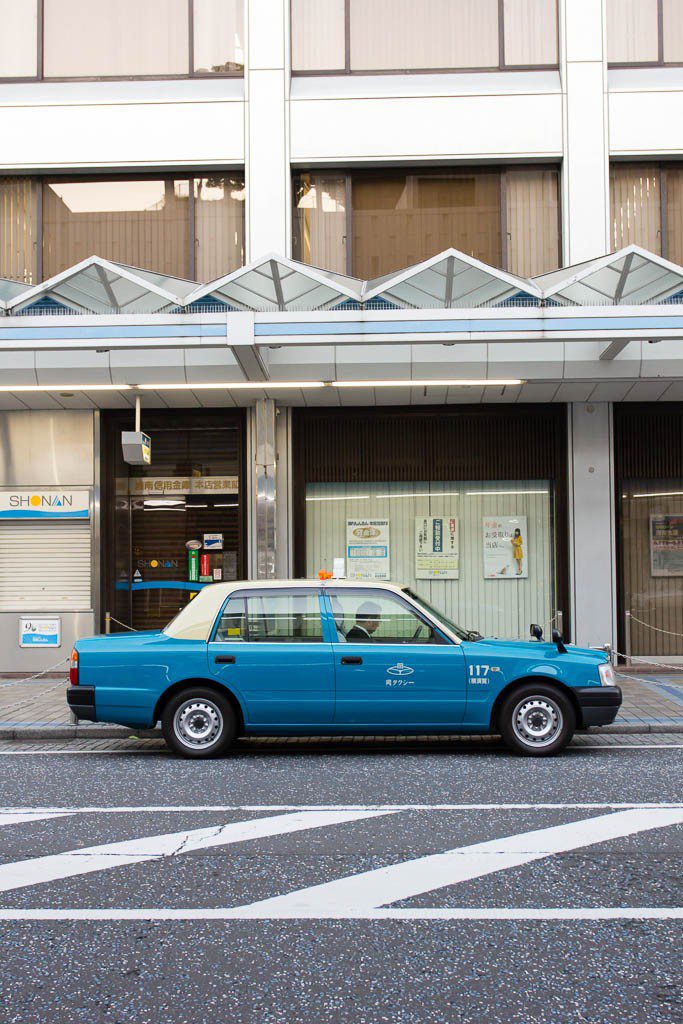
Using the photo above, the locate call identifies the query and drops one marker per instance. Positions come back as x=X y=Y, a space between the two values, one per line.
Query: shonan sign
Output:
x=43 y=504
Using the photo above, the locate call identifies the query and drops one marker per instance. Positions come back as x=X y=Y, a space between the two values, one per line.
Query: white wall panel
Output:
x=425 y=127
x=86 y=125
x=646 y=122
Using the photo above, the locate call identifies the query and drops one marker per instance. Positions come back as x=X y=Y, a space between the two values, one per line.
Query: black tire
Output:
x=199 y=723
x=537 y=720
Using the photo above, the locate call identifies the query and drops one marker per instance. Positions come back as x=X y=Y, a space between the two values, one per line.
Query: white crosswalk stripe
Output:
x=365 y=895
x=361 y=894
x=21 y=874
x=21 y=817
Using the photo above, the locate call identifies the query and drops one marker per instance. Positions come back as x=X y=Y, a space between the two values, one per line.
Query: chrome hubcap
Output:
x=198 y=723
x=537 y=721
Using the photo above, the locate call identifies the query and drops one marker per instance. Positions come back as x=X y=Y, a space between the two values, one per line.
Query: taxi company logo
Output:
x=399 y=669
x=40 y=501
x=366 y=532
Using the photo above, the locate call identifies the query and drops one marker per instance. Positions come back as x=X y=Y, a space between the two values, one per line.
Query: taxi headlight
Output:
x=606 y=673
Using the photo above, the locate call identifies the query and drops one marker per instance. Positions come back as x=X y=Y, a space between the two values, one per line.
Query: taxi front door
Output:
x=399 y=674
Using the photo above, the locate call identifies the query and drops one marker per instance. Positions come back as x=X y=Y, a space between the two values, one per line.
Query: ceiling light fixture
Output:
x=64 y=387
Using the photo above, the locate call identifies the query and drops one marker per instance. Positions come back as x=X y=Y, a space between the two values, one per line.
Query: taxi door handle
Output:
x=351 y=660
x=225 y=659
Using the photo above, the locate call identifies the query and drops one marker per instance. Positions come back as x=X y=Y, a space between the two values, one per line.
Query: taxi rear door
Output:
x=268 y=647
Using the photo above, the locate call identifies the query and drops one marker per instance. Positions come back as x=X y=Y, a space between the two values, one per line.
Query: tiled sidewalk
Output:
x=651 y=703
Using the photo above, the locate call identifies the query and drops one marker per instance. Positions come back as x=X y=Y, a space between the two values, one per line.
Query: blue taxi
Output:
x=336 y=657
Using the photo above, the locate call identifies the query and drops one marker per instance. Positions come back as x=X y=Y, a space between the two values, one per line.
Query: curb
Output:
x=110 y=732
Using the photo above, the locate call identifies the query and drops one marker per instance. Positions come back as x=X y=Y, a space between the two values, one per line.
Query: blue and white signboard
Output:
x=40 y=632
x=44 y=505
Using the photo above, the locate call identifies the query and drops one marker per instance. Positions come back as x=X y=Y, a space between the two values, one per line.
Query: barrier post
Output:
x=107 y=622
x=627 y=637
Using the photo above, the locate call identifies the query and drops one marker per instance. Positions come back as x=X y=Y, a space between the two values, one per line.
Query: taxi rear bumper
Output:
x=598 y=705
x=81 y=700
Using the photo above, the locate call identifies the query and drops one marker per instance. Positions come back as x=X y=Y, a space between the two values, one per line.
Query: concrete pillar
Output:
x=263 y=489
x=266 y=143
x=592 y=524
x=585 y=170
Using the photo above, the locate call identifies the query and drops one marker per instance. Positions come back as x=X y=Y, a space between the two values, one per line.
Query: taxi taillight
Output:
x=73 y=668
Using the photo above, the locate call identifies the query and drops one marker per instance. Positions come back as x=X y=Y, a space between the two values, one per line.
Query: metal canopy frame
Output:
x=449 y=280
x=96 y=285
x=276 y=283
x=629 y=277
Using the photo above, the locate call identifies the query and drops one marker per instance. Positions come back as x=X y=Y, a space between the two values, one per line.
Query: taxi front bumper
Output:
x=598 y=705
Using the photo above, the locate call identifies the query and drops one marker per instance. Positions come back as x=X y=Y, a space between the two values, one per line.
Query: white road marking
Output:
x=359 y=894
x=182 y=808
x=25 y=873
x=381 y=914
x=22 y=815
x=269 y=808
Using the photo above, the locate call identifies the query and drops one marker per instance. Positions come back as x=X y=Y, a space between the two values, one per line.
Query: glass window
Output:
x=219 y=225
x=233 y=622
x=318 y=35
x=282 y=618
x=400 y=219
x=412 y=34
x=126 y=38
x=421 y=35
x=366 y=617
x=476 y=577
x=319 y=223
x=674 y=214
x=18 y=38
x=143 y=223
x=632 y=31
x=533 y=221
x=218 y=36
x=672 y=31
x=530 y=32
x=635 y=197
x=19 y=229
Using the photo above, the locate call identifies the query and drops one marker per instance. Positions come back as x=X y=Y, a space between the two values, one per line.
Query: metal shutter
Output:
x=45 y=567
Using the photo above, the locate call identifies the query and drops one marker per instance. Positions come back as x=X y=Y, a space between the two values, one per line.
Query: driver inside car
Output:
x=368 y=618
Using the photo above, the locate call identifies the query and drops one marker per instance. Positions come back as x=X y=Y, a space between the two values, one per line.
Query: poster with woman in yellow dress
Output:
x=505 y=547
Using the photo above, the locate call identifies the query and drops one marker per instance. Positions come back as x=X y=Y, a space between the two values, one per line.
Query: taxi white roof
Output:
x=195 y=620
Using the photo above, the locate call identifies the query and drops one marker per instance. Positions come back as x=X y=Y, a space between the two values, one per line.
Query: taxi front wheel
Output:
x=537 y=720
x=199 y=723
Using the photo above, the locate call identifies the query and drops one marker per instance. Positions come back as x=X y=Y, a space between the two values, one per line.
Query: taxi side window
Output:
x=232 y=624
x=374 y=617
x=279 y=618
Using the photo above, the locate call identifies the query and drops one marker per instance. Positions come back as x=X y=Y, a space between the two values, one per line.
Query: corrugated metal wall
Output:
x=501 y=607
x=445 y=452
x=45 y=567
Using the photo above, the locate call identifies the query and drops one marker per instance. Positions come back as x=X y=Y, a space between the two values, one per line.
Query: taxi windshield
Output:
x=436 y=614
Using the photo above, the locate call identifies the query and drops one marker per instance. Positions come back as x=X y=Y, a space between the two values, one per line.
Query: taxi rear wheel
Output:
x=199 y=723
x=537 y=720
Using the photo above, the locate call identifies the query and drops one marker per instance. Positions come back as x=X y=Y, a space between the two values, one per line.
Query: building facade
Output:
x=392 y=282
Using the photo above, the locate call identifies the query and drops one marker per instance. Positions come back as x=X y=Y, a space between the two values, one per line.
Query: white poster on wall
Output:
x=437 y=555
x=367 y=549
x=505 y=547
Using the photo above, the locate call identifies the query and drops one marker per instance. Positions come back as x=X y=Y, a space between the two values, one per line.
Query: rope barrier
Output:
x=657 y=629
x=124 y=624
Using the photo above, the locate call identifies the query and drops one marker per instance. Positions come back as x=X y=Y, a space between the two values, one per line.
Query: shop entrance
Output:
x=174 y=526
x=648 y=442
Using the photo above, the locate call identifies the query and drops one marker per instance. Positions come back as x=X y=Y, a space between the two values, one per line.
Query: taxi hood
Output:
x=545 y=649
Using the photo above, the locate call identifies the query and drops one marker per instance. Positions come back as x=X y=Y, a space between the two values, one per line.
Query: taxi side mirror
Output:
x=559 y=640
x=536 y=631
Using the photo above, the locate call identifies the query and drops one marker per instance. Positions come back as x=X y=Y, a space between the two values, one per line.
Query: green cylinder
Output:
x=193 y=566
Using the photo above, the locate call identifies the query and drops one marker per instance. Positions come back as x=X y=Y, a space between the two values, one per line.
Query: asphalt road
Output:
x=342 y=886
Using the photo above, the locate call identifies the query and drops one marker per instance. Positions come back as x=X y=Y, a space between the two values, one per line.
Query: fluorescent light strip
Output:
x=339 y=497
x=421 y=494
x=65 y=387
x=473 y=493
x=272 y=385
x=267 y=385
x=659 y=494
x=226 y=504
